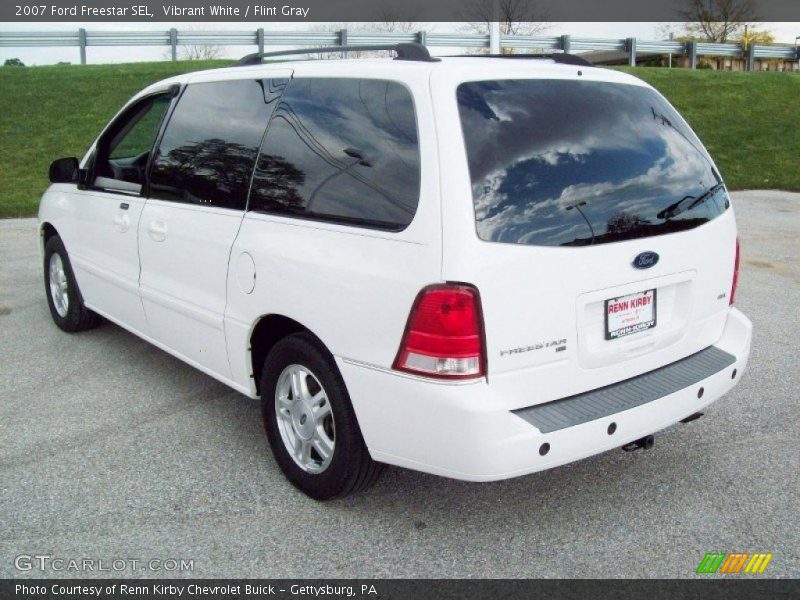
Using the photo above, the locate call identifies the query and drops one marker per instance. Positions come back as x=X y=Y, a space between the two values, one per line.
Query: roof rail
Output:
x=407 y=51
x=559 y=57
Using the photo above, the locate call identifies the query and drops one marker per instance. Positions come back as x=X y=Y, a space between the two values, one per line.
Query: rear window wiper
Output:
x=676 y=208
x=711 y=191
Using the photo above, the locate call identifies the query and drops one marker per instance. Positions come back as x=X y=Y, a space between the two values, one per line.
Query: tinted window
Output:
x=343 y=150
x=557 y=163
x=125 y=149
x=141 y=136
x=209 y=148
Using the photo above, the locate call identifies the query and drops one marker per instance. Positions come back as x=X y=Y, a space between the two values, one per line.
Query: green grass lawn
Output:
x=750 y=122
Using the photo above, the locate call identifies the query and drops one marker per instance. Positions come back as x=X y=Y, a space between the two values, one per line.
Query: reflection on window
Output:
x=210 y=145
x=344 y=150
x=559 y=163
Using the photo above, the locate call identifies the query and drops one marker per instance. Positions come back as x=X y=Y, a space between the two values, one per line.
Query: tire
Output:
x=349 y=468
x=63 y=295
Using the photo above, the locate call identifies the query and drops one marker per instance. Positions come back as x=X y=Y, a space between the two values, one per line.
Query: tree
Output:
x=396 y=19
x=200 y=52
x=623 y=222
x=516 y=17
x=717 y=20
x=753 y=35
x=196 y=51
x=13 y=62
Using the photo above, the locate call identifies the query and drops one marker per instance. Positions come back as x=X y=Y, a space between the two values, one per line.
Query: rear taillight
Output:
x=444 y=334
x=735 y=273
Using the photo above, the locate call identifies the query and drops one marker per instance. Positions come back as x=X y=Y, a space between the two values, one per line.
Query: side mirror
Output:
x=64 y=170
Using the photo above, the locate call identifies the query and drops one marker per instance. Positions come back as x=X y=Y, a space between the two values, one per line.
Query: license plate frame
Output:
x=639 y=313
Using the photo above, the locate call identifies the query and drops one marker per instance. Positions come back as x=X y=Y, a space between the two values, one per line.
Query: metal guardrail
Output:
x=261 y=38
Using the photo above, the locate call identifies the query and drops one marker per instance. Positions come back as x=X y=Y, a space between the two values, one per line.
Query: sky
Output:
x=783 y=32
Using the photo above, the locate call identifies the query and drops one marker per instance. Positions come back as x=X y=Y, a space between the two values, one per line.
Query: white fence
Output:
x=262 y=40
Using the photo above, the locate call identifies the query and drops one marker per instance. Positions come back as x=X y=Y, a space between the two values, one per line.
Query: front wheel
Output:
x=310 y=422
x=63 y=296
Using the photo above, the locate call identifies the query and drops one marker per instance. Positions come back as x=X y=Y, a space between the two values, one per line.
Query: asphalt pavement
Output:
x=113 y=449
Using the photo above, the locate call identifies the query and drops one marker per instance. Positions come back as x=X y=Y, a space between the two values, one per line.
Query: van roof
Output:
x=470 y=66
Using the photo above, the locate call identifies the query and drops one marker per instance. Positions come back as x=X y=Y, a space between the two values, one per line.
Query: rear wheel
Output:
x=63 y=295
x=310 y=422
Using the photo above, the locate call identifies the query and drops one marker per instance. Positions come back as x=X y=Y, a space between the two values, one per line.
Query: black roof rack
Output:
x=408 y=51
x=559 y=57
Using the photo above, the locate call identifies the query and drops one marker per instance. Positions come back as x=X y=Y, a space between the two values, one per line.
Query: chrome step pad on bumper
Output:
x=644 y=388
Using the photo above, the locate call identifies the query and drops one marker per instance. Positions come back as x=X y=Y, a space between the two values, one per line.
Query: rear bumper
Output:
x=464 y=431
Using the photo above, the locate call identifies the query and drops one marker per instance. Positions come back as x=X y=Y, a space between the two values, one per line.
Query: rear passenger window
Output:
x=341 y=150
x=210 y=145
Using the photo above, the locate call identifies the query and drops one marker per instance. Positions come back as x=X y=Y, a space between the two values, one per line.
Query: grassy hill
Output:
x=749 y=121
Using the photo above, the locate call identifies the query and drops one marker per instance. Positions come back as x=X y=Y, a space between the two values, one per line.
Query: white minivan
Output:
x=477 y=267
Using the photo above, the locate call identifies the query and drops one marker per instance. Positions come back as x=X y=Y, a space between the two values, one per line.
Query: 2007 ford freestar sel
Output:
x=477 y=267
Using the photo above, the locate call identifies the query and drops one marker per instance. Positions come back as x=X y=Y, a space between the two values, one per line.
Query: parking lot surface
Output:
x=111 y=448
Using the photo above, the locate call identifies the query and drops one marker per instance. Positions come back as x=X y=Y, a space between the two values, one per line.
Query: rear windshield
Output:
x=573 y=163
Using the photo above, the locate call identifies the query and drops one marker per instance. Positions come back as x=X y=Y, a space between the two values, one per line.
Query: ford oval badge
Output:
x=645 y=260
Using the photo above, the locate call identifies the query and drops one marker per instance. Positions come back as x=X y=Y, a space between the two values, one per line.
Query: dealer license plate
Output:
x=630 y=314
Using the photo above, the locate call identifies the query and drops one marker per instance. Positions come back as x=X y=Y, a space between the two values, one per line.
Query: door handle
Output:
x=157 y=230
x=121 y=222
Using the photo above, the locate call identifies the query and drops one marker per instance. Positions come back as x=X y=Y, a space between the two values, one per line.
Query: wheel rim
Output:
x=58 y=285
x=305 y=419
